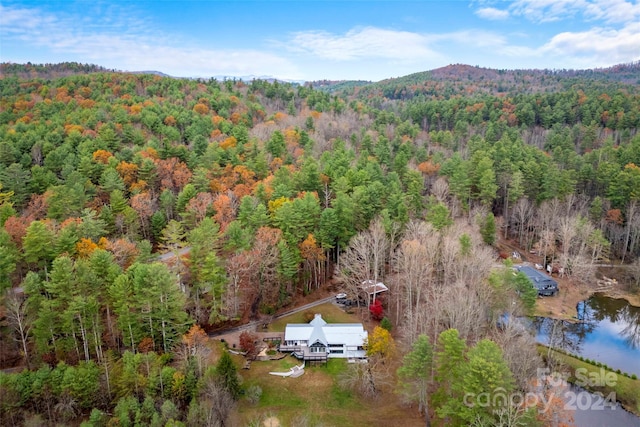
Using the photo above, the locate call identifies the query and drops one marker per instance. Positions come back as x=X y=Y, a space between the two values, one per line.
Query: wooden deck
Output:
x=304 y=353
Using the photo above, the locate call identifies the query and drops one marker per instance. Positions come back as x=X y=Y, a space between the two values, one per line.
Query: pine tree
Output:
x=227 y=375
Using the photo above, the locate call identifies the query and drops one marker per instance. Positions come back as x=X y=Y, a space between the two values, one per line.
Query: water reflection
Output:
x=607 y=330
x=616 y=311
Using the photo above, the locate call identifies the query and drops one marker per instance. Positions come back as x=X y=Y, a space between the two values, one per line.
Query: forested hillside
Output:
x=275 y=189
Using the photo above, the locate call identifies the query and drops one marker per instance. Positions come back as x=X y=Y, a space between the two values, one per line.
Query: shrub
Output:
x=376 y=310
x=308 y=316
x=386 y=324
x=253 y=394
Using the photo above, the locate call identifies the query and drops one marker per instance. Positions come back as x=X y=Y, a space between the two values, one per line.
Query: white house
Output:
x=319 y=340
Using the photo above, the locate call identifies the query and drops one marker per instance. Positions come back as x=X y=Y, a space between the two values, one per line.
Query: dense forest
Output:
x=259 y=193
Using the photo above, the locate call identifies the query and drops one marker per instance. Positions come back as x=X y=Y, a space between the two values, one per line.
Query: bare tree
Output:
x=364 y=379
x=633 y=219
x=18 y=318
x=415 y=271
x=522 y=213
x=519 y=351
x=365 y=258
x=463 y=306
x=440 y=189
x=566 y=234
x=238 y=266
x=547 y=244
x=217 y=404
x=634 y=270
x=265 y=256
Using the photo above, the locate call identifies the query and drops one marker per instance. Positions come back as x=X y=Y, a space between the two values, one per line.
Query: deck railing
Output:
x=304 y=353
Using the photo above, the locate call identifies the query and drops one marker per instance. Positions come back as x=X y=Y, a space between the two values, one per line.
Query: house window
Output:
x=317 y=348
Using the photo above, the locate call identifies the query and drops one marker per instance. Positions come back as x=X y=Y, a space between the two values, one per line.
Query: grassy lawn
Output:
x=330 y=313
x=316 y=398
x=627 y=390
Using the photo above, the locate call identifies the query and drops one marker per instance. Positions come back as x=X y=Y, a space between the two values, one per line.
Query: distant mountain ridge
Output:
x=438 y=82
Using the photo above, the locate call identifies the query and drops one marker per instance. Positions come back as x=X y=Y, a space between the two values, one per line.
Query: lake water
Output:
x=607 y=330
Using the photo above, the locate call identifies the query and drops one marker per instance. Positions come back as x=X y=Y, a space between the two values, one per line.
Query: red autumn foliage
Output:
x=248 y=342
x=376 y=310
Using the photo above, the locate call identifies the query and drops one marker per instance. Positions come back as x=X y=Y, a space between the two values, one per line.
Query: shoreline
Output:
x=563 y=306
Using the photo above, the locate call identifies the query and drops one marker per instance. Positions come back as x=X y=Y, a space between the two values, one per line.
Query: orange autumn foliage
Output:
x=235 y=118
x=87 y=103
x=216 y=120
x=279 y=116
x=310 y=251
x=85 y=247
x=614 y=216
x=149 y=153
x=195 y=337
x=139 y=186
x=69 y=128
x=170 y=121
x=229 y=142
x=17 y=228
x=102 y=156
x=225 y=210
x=200 y=108
x=128 y=172
x=429 y=168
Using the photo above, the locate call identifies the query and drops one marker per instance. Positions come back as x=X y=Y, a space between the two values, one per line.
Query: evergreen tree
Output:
x=488 y=229
x=227 y=375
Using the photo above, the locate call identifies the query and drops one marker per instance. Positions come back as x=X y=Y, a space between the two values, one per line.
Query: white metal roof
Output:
x=374 y=288
x=349 y=334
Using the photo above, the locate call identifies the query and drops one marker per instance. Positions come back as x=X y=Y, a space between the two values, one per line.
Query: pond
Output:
x=598 y=412
x=606 y=330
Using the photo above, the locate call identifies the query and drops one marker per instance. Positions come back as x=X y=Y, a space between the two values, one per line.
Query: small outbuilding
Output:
x=374 y=289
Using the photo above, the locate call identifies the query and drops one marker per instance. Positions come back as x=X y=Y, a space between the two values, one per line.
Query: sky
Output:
x=306 y=40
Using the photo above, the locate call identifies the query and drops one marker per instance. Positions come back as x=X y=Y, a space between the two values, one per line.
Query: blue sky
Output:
x=311 y=40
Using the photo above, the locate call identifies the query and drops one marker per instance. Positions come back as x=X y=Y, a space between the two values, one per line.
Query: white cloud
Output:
x=492 y=14
x=547 y=10
x=127 y=43
x=359 y=43
x=610 y=11
x=603 y=46
x=613 y=11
